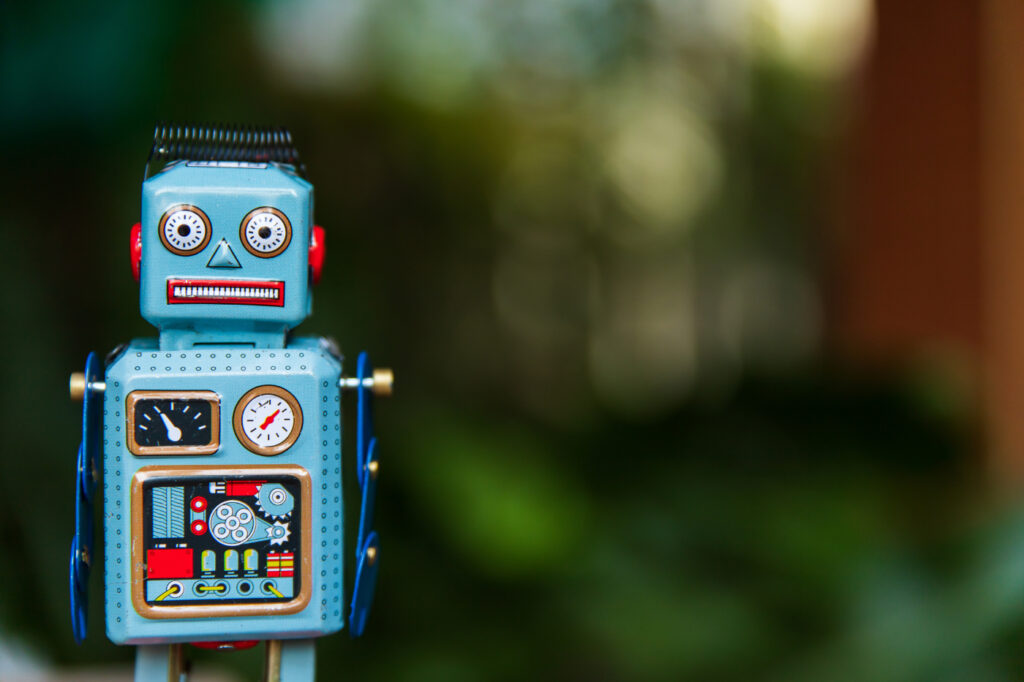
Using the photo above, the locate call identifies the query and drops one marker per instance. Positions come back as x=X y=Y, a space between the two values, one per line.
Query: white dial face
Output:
x=185 y=231
x=268 y=420
x=266 y=232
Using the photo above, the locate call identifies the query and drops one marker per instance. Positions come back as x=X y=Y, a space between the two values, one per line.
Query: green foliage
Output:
x=499 y=495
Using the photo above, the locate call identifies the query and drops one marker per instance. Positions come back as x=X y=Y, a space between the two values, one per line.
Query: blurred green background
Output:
x=590 y=237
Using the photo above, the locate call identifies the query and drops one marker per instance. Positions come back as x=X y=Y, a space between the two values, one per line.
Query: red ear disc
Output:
x=317 y=252
x=135 y=245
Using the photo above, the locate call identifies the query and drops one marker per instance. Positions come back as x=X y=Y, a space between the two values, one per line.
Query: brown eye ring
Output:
x=184 y=229
x=265 y=232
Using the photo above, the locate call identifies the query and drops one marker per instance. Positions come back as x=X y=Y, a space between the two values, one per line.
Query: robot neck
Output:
x=256 y=336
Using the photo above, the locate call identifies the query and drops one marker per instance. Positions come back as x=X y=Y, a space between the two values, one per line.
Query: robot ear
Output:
x=317 y=251
x=135 y=247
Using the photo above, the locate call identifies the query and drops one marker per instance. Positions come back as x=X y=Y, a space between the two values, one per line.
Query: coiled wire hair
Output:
x=256 y=144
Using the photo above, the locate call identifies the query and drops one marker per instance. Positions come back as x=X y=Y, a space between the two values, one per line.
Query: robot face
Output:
x=225 y=247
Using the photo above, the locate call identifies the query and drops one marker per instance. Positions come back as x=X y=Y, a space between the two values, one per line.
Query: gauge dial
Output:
x=173 y=422
x=266 y=232
x=268 y=420
x=185 y=230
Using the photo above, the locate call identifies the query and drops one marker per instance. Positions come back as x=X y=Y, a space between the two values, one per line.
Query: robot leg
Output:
x=291 y=660
x=160 y=663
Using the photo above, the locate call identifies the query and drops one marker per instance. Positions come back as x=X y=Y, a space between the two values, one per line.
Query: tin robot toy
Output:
x=216 y=447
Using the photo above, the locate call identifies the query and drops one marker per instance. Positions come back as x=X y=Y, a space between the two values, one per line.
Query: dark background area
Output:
x=625 y=257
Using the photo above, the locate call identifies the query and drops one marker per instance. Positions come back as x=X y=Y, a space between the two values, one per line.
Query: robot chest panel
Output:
x=222 y=464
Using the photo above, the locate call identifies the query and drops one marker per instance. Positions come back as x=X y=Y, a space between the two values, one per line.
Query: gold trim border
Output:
x=153 y=450
x=148 y=473
x=267 y=450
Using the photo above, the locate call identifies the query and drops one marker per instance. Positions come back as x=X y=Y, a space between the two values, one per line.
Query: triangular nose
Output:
x=223 y=257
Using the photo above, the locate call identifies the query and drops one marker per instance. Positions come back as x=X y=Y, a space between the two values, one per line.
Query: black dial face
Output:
x=165 y=422
x=172 y=422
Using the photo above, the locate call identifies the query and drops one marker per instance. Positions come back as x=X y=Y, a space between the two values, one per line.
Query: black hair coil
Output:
x=173 y=142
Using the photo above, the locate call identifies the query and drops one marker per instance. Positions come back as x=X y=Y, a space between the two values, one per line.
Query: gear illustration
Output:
x=233 y=523
x=278 y=533
x=274 y=501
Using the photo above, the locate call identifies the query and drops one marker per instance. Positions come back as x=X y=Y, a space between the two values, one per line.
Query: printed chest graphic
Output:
x=220 y=541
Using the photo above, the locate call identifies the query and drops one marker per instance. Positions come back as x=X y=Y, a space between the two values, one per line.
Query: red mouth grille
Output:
x=225 y=292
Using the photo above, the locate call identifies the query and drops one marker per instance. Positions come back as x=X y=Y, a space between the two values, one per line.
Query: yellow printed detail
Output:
x=172 y=590
x=212 y=588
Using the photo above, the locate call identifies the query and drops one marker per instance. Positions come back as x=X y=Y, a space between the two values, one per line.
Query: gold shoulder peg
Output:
x=76 y=386
x=383 y=381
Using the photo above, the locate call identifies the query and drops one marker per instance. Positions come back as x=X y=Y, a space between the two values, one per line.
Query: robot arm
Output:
x=366 y=383
x=87 y=387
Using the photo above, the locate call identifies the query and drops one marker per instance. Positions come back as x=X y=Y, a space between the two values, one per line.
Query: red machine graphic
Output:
x=280 y=564
x=236 y=488
x=169 y=563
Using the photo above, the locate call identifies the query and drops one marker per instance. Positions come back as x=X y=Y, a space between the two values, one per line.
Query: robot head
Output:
x=226 y=252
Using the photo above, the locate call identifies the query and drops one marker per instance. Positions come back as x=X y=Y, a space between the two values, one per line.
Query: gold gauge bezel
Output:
x=252 y=214
x=156 y=450
x=202 y=216
x=138 y=568
x=265 y=450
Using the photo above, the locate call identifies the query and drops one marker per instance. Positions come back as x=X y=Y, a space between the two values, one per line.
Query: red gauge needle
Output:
x=269 y=419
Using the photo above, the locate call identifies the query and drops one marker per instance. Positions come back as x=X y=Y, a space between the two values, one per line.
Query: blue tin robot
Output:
x=223 y=511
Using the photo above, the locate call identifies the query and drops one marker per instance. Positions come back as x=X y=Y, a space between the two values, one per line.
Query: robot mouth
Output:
x=225 y=291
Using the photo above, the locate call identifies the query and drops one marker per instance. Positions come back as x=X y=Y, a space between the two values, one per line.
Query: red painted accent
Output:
x=270 y=419
x=168 y=563
x=317 y=253
x=245 y=644
x=280 y=564
x=198 y=527
x=181 y=285
x=135 y=248
x=242 y=487
x=198 y=504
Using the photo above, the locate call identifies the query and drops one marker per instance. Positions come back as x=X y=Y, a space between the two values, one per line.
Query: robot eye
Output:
x=265 y=232
x=184 y=230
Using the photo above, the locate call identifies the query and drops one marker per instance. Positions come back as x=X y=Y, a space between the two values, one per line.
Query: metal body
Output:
x=310 y=373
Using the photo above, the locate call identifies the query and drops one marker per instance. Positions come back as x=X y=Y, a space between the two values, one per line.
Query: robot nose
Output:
x=223 y=257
